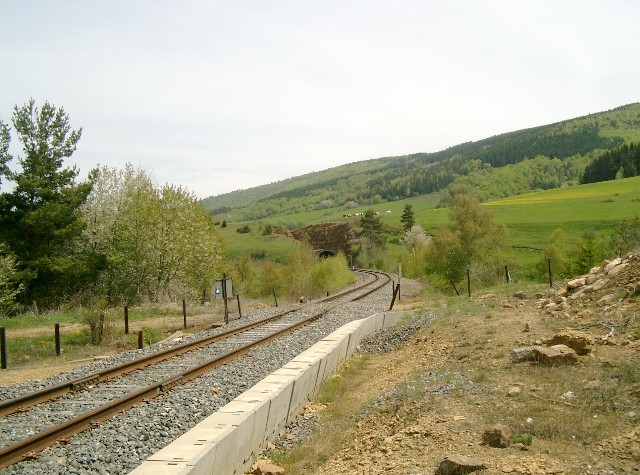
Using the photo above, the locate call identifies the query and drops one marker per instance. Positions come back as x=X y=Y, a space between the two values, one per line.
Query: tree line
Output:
x=621 y=162
x=553 y=155
x=116 y=236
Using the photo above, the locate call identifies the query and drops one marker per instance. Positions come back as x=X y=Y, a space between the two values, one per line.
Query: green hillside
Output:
x=530 y=220
x=242 y=198
x=509 y=164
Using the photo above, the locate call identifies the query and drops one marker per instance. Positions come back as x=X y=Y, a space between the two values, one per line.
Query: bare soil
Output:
x=435 y=396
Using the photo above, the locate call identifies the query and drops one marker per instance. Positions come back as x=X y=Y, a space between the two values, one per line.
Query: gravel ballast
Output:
x=119 y=445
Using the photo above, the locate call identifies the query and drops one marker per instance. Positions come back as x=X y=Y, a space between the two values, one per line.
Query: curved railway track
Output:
x=82 y=403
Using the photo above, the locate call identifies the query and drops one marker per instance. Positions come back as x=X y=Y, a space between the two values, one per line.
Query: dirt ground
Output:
x=436 y=396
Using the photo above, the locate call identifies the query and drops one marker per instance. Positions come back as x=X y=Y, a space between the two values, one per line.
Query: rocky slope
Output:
x=434 y=399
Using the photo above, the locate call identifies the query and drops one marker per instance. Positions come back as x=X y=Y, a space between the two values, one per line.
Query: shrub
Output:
x=94 y=316
x=524 y=439
x=9 y=289
x=331 y=273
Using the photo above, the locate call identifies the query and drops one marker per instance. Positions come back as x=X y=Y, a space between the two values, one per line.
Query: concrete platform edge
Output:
x=229 y=440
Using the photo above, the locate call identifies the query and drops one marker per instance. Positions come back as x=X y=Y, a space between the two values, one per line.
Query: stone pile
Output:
x=611 y=286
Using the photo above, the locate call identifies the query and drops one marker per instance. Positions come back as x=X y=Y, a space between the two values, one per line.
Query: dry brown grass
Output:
x=575 y=419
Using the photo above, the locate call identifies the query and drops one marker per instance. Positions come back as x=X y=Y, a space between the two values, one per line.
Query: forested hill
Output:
x=537 y=158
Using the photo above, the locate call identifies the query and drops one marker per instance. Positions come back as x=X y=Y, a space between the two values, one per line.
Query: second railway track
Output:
x=84 y=402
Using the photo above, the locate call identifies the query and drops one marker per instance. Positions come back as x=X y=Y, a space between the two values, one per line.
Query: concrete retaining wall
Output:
x=228 y=441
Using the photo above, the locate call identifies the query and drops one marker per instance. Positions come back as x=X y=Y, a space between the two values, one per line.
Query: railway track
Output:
x=82 y=403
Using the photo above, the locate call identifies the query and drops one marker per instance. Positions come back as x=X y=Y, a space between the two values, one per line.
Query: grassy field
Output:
x=31 y=337
x=530 y=220
x=273 y=247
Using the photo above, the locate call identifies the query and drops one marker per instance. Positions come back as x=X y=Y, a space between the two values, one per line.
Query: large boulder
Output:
x=459 y=465
x=556 y=355
x=577 y=282
x=610 y=265
x=577 y=340
x=617 y=269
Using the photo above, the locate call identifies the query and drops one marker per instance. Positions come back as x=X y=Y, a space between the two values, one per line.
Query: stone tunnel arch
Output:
x=323 y=253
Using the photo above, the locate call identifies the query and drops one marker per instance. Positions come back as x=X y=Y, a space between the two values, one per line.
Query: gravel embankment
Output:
x=120 y=444
x=378 y=343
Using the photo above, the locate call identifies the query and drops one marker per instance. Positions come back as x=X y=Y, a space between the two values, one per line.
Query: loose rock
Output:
x=459 y=464
x=498 y=436
x=263 y=467
x=579 y=341
x=556 y=355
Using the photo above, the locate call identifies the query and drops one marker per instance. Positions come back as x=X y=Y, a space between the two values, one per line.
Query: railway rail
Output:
x=82 y=403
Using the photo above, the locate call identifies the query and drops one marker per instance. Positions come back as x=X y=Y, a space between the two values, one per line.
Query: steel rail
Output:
x=29 y=447
x=22 y=403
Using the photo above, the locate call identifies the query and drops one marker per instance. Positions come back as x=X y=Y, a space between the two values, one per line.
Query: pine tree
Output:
x=587 y=254
x=39 y=219
x=407 y=219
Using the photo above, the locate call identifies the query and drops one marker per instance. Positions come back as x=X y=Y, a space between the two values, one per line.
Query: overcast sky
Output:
x=224 y=95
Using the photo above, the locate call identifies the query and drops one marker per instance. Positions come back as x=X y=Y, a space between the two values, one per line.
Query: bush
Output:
x=331 y=273
x=626 y=236
x=244 y=229
x=556 y=250
x=94 y=317
x=524 y=439
x=471 y=241
x=9 y=289
x=268 y=230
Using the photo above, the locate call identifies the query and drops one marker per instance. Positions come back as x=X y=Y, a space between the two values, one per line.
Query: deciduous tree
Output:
x=471 y=241
x=9 y=288
x=154 y=242
x=5 y=139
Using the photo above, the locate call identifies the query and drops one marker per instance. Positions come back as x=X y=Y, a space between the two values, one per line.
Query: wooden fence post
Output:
x=224 y=297
x=395 y=294
x=184 y=314
x=239 y=308
x=3 y=348
x=140 y=339
x=549 y=265
x=57 y=334
x=126 y=319
x=399 y=281
x=469 y=281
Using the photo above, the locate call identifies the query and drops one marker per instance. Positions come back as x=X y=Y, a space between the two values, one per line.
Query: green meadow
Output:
x=533 y=217
x=530 y=220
